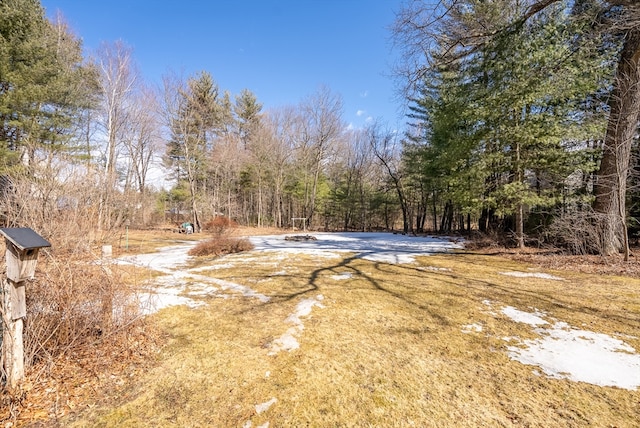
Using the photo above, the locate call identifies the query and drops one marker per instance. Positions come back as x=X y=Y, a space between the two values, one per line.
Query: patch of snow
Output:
x=379 y=247
x=340 y=276
x=202 y=289
x=164 y=260
x=242 y=289
x=391 y=258
x=581 y=356
x=167 y=289
x=565 y=352
x=530 y=318
x=213 y=267
x=436 y=269
x=303 y=309
x=261 y=408
x=153 y=302
x=288 y=341
x=532 y=275
x=470 y=328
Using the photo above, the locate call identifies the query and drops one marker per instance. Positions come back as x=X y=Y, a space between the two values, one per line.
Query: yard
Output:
x=379 y=330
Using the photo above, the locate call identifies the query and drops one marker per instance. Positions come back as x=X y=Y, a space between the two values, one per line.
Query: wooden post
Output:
x=107 y=291
x=21 y=257
x=12 y=345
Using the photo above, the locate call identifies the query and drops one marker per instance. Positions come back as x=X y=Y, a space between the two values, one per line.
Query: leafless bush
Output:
x=577 y=232
x=221 y=245
x=74 y=303
x=63 y=204
x=219 y=225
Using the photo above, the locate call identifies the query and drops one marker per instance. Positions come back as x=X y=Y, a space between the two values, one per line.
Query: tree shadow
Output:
x=461 y=287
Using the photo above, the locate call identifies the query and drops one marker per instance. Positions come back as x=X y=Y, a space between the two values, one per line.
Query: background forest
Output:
x=522 y=123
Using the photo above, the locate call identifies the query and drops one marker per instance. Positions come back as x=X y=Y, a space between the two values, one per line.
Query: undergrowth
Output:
x=220 y=245
x=83 y=320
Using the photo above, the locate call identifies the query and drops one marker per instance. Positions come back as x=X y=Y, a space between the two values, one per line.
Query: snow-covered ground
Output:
x=565 y=352
x=379 y=247
x=561 y=351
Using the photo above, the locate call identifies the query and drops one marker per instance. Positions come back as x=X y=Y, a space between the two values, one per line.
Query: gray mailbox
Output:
x=22 y=252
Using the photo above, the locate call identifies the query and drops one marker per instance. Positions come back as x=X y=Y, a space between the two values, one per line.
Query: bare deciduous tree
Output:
x=387 y=150
x=118 y=77
x=141 y=141
x=321 y=127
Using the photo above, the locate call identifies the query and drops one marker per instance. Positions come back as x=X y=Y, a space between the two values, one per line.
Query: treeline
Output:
x=523 y=123
x=229 y=157
x=524 y=119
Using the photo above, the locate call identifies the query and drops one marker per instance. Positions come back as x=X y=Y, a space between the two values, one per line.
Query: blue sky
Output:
x=282 y=50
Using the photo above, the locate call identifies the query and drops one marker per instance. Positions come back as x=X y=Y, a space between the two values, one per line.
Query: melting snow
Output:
x=561 y=351
x=470 y=328
x=435 y=269
x=524 y=317
x=565 y=352
x=379 y=247
x=153 y=302
x=260 y=408
x=288 y=341
x=532 y=275
x=170 y=289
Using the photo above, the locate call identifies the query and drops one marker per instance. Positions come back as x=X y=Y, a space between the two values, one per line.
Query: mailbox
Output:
x=23 y=245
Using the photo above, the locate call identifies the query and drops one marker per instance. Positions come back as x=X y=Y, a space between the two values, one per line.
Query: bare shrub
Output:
x=74 y=303
x=219 y=225
x=74 y=299
x=62 y=209
x=482 y=240
x=221 y=245
x=577 y=232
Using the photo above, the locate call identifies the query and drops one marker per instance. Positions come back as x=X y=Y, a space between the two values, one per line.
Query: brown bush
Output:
x=219 y=224
x=75 y=303
x=79 y=312
x=221 y=245
x=577 y=232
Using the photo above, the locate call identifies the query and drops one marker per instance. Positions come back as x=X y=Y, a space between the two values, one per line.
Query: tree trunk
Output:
x=434 y=212
x=520 y=226
x=622 y=125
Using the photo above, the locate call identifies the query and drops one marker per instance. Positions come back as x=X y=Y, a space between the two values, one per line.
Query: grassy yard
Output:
x=344 y=341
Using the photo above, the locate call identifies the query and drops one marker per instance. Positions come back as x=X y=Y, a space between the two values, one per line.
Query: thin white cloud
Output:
x=360 y=113
x=364 y=94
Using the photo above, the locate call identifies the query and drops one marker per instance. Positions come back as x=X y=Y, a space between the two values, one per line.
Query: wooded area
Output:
x=525 y=117
x=522 y=124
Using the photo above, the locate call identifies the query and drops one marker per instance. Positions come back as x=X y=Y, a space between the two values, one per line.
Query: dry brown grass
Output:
x=387 y=349
x=135 y=241
x=219 y=246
